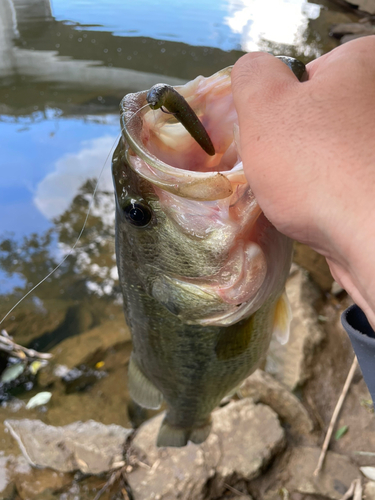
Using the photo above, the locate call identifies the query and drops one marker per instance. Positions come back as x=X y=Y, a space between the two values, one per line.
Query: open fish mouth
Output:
x=204 y=192
x=164 y=153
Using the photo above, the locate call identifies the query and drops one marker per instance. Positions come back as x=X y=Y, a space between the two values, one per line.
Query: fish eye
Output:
x=137 y=214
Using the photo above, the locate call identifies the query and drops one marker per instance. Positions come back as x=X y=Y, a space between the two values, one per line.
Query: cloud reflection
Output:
x=56 y=191
x=272 y=20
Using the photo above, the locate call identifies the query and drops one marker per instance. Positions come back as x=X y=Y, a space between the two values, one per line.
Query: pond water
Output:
x=64 y=67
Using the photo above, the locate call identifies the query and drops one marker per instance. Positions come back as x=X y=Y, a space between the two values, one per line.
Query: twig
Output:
x=285 y=493
x=112 y=478
x=365 y=453
x=7 y=344
x=155 y=466
x=358 y=490
x=233 y=490
x=142 y=465
x=335 y=415
x=350 y=491
x=354 y=491
x=124 y=494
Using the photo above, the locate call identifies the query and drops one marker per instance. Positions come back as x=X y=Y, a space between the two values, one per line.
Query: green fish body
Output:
x=202 y=270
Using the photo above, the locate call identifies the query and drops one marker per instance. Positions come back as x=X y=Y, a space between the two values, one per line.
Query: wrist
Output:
x=352 y=260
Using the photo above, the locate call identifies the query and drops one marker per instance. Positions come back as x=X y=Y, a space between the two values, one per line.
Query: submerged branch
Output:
x=8 y=345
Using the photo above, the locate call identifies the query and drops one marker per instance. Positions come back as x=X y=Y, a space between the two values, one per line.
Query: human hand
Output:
x=309 y=155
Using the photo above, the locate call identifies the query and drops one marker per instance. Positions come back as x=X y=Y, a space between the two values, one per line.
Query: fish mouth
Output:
x=162 y=151
x=207 y=198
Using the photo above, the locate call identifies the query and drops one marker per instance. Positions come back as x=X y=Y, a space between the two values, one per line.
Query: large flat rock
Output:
x=90 y=447
x=263 y=388
x=242 y=442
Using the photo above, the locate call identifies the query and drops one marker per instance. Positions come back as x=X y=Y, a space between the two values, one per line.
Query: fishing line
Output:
x=77 y=240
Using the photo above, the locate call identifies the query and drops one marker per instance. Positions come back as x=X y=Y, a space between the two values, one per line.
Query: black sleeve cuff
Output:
x=362 y=337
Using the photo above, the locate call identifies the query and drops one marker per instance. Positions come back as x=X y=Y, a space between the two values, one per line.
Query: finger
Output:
x=261 y=84
x=259 y=75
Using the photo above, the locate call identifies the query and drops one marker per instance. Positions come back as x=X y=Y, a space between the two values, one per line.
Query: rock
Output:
x=6 y=486
x=263 y=388
x=336 y=289
x=351 y=31
x=369 y=491
x=243 y=440
x=349 y=38
x=333 y=481
x=174 y=472
x=249 y=436
x=291 y=363
x=241 y=497
x=364 y=5
x=315 y=264
x=40 y=481
x=78 y=379
x=87 y=348
x=90 y=447
x=339 y=30
x=368 y=471
x=79 y=350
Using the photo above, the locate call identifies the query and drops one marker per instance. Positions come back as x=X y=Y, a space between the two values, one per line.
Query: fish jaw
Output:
x=164 y=153
x=248 y=278
x=207 y=200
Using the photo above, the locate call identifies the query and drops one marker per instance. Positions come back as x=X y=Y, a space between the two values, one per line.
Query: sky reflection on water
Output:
x=65 y=65
x=225 y=24
x=44 y=152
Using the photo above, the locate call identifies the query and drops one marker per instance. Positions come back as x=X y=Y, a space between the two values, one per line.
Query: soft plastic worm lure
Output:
x=163 y=95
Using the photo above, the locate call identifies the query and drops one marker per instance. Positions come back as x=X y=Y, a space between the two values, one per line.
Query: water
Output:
x=64 y=67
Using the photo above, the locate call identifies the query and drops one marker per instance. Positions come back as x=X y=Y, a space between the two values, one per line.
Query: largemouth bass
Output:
x=202 y=270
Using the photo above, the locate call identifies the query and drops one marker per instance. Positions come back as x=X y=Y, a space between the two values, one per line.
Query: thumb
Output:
x=260 y=72
x=259 y=82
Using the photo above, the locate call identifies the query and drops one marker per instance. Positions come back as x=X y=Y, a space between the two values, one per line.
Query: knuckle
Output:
x=246 y=68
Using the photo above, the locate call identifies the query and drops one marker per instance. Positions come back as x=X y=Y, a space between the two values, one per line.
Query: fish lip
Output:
x=200 y=186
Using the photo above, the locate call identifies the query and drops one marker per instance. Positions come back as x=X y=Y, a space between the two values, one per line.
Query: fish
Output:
x=202 y=270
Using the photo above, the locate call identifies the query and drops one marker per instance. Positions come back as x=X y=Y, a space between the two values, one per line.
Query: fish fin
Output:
x=282 y=319
x=200 y=434
x=172 y=436
x=141 y=390
x=178 y=437
x=234 y=341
